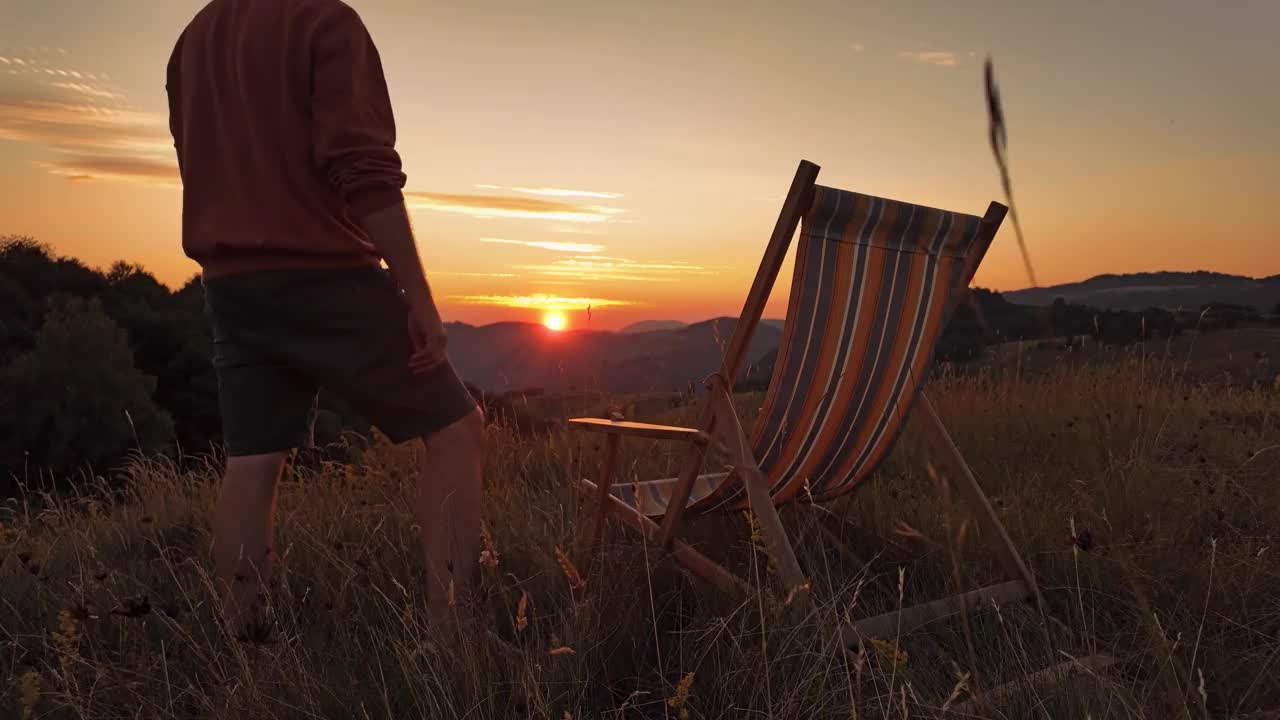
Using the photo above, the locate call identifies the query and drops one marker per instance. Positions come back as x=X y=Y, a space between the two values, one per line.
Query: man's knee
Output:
x=255 y=468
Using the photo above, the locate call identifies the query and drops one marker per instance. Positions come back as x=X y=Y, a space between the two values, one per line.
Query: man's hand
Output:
x=426 y=331
x=391 y=234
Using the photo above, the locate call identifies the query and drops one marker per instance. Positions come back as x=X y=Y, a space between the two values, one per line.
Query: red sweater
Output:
x=284 y=133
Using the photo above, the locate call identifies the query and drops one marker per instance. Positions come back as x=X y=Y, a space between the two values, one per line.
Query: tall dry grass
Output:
x=1147 y=506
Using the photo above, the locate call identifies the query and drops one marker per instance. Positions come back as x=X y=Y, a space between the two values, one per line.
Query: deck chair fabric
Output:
x=873 y=285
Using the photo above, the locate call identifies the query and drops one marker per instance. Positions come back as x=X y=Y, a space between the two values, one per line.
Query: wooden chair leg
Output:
x=902 y=622
x=957 y=471
x=797 y=202
x=777 y=543
x=732 y=438
x=1036 y=682
x=602 y=494
x=697 y=563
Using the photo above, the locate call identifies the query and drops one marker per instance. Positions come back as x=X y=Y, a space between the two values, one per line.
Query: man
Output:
x=292 y=197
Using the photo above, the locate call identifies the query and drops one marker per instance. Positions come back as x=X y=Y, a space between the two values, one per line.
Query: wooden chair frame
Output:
x=718 y=425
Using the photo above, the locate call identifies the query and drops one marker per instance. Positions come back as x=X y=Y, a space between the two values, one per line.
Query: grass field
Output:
x=1143 y=494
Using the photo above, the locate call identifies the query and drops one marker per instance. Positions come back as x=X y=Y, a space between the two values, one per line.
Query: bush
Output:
x=76 y=398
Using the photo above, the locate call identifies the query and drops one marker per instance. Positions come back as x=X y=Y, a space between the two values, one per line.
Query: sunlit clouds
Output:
x=616 y=269
x=510 y=206
x=89 y=167
x=539 y=301
x=79 y=124
x=931 y=57
x=554 y=192
x=549 y=245
x=83 y=125
x=461 y=273
x=88 y=90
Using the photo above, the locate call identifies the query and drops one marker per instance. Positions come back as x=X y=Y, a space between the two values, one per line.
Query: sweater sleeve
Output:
x=354 y=130
x=172 y=90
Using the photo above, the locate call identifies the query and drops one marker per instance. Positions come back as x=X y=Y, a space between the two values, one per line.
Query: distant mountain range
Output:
x=666 y=355
x=645 y=326
x=1168 y=290
x=517 y=356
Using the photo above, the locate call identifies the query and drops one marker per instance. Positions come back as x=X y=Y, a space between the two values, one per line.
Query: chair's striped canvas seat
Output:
x=874 y=283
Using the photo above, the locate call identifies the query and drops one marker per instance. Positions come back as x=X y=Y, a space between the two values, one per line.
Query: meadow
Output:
x=1142 y=492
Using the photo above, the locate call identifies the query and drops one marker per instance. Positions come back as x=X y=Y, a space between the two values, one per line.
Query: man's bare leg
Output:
x=448 y=510
x=243 y=525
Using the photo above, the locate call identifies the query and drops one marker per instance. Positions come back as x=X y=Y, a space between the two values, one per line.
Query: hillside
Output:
x=645 y=326
x=512 y=356
x=1148 y=515
x=1168 y=290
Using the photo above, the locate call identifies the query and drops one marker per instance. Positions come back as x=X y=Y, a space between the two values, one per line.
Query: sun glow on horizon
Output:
x=555 y=321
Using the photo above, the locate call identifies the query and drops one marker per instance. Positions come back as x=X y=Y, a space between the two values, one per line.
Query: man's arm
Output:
x=391 y=233
x=353 y=127
x=354 y=143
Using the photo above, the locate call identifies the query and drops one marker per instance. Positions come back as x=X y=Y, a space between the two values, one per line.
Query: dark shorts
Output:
x=280 y=336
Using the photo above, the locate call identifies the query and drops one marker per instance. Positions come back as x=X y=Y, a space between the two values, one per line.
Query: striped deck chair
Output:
x=875 y=282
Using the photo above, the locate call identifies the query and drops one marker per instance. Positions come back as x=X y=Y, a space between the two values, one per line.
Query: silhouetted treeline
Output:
x=94 y=364
x=985 y=318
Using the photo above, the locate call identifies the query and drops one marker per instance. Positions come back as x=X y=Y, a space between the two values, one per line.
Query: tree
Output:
x=76 y=398
x=30 y=274
x=169 y=336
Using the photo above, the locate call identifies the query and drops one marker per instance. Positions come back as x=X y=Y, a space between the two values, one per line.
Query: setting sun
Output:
x=554 y=321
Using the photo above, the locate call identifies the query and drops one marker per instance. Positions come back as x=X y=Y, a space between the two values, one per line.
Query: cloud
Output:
x=83 y=125
x=457 y=273
x=87 y=90
x=573 y=229
x=932 y=57
x=549 y=245
x=489 y=206
x=554 y=192
x=110 y=167
x=619 y=269
x=561 y=192
x=539 y=301
x=857 y=47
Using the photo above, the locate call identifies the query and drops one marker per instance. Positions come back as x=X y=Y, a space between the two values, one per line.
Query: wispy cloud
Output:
x=107 y=167
x=857 y=47
x=554 y=192
x=35 y=65
x=83 y=124
x=561 y=192
x=549 y=245
x=490 y=206
x=540 y=301
x=931 y=57
x=459 y=273
x=621 y=269
x=89 y=90
x=573 y=229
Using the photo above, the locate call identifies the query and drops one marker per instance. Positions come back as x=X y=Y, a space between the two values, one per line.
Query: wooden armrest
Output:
x=637 y=429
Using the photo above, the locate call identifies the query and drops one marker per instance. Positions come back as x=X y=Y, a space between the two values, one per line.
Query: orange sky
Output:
x=634 y=155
